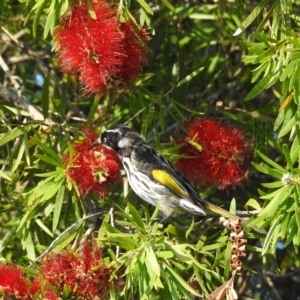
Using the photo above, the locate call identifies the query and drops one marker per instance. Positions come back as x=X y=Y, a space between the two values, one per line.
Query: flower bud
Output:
x=241 y=242
x=241 y=234
x=242 y=248
x=233 y=236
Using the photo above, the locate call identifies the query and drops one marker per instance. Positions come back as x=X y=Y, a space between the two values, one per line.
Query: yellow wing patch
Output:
x=166 y=179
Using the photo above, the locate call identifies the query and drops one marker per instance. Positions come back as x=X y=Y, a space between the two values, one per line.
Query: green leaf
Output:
x=64 y=7
x=271 y=236
x=162 y=117
x=265 y=83
x=165 y=254
x=92 y=112
x=273 y=185
x=51 y=18
x=252 y=203
x=145 y=6
x=17 y=161
x=29 y=245
x=151 y=261
x=67 y=237
x=39 y=6
x=58 y=205
x=265 y=56
x=288 y=71
x=91 y=10
x=45 y=97
x=257 y=71
x=295 y=76
x=12 y=134
x=190 y=76
x=233 y=206
x=50 y=189
x=47 y=149
x=253 y=15
x=180 y=282
x=292 y=230
x=4 y=175
x=278 y=197
x=289 y=125
x=286 y=153
x=167 y=4
x=51 y=174
x=16 y=111
x=195 y=145
x=147 y=119
x=136 y=217
x=189 y=230
x=267 y=170
x=176 y=249
x=213 y=246
x=266 y=18
x=48 y=160
x=271 y=162
x=40 y=223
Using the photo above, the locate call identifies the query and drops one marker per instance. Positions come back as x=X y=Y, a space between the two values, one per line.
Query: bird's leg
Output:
x=162 y=220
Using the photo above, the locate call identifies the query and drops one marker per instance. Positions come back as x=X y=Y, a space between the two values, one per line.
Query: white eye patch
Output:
x=113 y=130
x=124 y=142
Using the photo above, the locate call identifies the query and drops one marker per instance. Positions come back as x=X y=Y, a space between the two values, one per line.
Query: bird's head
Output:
x=118 y=138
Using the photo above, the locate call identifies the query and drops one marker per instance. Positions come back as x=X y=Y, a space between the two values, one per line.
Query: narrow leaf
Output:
x=93 y=109
x=48 y=160
x=58 y=205
x=145 y=6
x=253 y=15
x=190 y=76
x=4 y=175
x=167 y=4
x=265 y=83
x=45 y=97
x=271 y=162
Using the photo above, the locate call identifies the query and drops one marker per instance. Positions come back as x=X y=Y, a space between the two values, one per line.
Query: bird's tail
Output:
x=226 y=214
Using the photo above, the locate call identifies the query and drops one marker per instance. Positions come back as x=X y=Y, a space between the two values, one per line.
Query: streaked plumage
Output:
x=153 y=178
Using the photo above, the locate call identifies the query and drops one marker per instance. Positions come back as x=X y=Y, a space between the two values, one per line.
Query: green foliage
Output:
x=205 y=60
x=154 y=263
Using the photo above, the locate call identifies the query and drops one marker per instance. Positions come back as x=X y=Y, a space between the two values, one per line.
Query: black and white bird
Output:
x=153 y=178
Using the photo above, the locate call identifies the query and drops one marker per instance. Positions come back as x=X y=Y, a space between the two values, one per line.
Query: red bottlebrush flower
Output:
x=84 y=275
x=92 y=168
x=13 y=282
x=135 y=52
x=224 y=156
x=102 y=51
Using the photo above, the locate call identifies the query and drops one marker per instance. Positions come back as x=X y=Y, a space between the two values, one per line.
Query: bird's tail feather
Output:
x=226 y=214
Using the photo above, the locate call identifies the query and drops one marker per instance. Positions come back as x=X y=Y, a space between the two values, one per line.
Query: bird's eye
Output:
x=104 y=140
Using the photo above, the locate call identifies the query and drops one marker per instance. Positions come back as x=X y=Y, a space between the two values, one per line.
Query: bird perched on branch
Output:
x=153 y=178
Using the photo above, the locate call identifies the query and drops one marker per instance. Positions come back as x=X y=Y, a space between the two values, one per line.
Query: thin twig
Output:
x=271 y=285
x=64 y=233
x=12 y=37
x=112 y=223
x=246 y=213
x=170 y=91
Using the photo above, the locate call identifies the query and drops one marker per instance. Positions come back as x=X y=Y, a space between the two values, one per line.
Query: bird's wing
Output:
x=160 y=169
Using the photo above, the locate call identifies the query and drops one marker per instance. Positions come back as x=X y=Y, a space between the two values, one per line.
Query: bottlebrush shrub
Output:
x=103 y=52
x=84 y=275
x=92 y=169
x=220 y=154
x=13 y=283
x=81 y=276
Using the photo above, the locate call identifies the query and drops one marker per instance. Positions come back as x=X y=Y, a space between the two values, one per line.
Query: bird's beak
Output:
x=97 y=142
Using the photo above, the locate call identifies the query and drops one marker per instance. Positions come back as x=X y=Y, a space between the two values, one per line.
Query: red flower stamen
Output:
x=220 y=154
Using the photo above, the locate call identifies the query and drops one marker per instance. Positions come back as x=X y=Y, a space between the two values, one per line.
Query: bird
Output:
x=153 y=178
